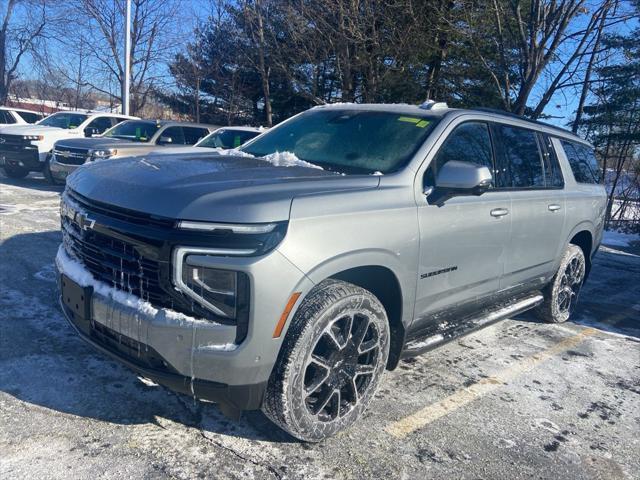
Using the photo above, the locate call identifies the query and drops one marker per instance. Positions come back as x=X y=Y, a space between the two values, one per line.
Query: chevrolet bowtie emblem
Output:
x=84 y=222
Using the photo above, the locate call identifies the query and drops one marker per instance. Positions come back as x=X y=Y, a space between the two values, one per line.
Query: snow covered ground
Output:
x=618 y=239
x=520 y=399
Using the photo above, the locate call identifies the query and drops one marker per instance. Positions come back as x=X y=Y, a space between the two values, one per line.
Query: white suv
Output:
x=26 y=148
x=18 y=116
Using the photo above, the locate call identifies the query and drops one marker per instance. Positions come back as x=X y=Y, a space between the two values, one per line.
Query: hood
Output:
x=94 y=143
x=215 y=189
x=30 y=130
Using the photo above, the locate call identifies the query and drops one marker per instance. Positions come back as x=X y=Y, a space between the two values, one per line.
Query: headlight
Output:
x=220 y=291
x=104 y=153
x=33 y=138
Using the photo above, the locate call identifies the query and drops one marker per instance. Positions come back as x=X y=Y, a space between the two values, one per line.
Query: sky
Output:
x=560 y=110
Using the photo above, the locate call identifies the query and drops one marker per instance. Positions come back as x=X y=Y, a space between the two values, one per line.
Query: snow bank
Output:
x=79 y=274
x=618 y=239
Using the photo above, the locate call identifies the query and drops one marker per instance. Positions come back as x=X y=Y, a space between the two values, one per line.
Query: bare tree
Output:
x=22 y=26
x=152 y=30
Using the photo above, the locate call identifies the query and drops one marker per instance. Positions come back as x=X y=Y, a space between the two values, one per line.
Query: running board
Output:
x=471 y=324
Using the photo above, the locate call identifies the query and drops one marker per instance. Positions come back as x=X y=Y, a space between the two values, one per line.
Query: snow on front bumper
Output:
x=194 y=348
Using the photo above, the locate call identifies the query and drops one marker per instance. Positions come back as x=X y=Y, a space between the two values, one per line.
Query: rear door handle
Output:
x=499 y=212
x=554 y=207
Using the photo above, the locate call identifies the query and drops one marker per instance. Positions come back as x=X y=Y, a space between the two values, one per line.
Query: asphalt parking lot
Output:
x=520 y=399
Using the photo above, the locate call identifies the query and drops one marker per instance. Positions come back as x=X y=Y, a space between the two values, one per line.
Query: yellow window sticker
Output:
x=408 y=119
x=422 y=123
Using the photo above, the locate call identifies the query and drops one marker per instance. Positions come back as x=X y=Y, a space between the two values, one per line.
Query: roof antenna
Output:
x=433 y=105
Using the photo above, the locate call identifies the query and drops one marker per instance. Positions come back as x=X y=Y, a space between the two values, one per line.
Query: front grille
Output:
x=70 y=156
x=114 y=261
x=13 y=142
x=131 y=251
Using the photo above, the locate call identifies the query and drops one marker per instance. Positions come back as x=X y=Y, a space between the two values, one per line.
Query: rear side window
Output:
x=101 y=124
x=30 y=117
x=193 y=135
x=469 y=142
x=552 y=172
x=582 y=161
x=519 y=162
x=175 y=134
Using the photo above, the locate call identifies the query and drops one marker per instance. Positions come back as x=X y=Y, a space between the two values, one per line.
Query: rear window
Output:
x=30 y=117
x=582 y=161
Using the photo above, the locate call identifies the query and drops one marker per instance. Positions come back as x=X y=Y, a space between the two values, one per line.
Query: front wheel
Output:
x=330 y=363
x=15 y=171
x=561 y=295
x=46 y=171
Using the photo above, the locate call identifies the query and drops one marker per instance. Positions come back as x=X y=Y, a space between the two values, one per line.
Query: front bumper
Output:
x=239 y=397
x=193 y=356
x=28 y=158
x=60 y=171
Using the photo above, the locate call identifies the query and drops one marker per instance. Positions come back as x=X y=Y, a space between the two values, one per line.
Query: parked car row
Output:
x=290 y=274
x=60 y=143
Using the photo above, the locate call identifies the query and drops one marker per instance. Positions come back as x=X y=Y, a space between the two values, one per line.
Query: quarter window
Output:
x=582 y=161
x=519 y=163
x=469 y=142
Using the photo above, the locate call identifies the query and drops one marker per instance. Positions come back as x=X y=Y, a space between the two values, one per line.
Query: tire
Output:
x=14 y=171
x=314 y=397
x=46 y=171
x=561 y=295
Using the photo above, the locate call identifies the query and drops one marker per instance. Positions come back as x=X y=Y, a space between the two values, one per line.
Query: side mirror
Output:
x=165 y=140
x=91 y=131
x=456 y=179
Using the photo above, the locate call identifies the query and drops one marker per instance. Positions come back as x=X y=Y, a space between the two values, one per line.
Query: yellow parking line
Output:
x=432 y=412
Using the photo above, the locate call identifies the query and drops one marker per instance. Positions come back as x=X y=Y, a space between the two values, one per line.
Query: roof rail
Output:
x=505 y=113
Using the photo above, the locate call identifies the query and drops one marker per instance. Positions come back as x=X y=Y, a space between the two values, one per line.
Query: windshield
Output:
x=227 y=138
x=64 y=120
x=136 y=131
x=348 y=141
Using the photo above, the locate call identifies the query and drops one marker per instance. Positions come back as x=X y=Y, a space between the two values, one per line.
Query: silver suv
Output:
x=290 y=274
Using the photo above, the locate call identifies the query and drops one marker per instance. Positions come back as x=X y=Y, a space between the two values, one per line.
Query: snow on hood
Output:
x=287 y=159
x=79 y=274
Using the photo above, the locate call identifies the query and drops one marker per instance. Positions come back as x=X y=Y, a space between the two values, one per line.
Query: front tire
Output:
x=561 y=295
x=46 y=172
x=331 y=362
x=15 y=171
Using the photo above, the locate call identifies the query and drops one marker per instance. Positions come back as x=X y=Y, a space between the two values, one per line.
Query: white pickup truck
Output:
x=26 y=148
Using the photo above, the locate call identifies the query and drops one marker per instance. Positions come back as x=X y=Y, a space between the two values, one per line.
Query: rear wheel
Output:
x=561 y=295
x=331 y=362
x=15 y=171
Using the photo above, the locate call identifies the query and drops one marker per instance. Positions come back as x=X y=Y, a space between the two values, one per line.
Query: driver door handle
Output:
x=499 y=212
x=554 y=207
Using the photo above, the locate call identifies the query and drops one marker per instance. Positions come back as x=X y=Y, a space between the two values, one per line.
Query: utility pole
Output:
x=127 y=60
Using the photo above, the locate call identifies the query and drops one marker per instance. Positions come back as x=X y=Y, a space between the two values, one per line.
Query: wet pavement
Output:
x=520 y=399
